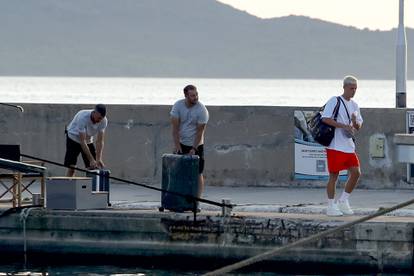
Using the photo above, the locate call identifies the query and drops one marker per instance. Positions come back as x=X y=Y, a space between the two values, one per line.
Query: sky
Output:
x=371 y=14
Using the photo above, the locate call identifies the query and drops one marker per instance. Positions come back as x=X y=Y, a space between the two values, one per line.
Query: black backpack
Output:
x=321 y=132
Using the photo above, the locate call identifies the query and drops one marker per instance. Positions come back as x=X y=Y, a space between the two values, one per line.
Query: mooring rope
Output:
x=189 y=197
x=271 y=253
x=23 y=217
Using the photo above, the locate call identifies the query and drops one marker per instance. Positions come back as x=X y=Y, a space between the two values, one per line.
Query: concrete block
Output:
x=73 y=193
x=384 y=232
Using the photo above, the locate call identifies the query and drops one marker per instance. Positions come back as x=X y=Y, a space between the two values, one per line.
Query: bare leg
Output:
x=200 y=185
x=354 y=174
x=330 y=188
x=70 y=172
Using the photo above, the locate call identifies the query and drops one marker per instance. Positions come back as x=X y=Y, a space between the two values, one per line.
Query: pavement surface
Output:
x=266 y=199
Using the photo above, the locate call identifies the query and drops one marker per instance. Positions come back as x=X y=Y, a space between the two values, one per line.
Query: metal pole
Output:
x=401 y=61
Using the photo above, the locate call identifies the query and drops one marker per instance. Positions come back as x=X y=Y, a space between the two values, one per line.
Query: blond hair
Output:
x=350 y=80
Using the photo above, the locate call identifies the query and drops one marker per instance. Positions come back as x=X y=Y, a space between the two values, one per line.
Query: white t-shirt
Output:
x=342 y=141
x=82 y=123
x=189 y=117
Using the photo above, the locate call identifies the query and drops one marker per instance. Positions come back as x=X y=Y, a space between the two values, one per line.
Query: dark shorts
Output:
x=199 y=152
x=73 y=149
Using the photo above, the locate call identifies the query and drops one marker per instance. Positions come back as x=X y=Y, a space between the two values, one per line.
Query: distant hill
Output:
x=184 y=38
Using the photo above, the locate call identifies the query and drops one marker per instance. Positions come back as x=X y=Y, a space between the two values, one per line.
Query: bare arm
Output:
x=100 y=141
x=355 y=124
x=85 y=149
x=200 y=131
x=332 y=122
x=175 y=122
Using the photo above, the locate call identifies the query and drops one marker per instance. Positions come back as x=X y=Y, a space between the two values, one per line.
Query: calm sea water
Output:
x=164 y=91
x=116 y=270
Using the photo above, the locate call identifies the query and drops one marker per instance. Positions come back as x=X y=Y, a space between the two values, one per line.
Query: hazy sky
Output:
x=372 y=14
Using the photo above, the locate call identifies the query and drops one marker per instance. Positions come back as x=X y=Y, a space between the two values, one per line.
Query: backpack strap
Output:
x=346 y=109
x=347 y=113
x=336 y=109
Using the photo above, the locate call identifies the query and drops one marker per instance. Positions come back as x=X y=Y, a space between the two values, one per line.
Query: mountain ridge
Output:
x=184 y=38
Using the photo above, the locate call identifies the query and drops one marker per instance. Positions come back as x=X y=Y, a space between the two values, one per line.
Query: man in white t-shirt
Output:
x=341 y=151
x=79 y=138
x=189 y=118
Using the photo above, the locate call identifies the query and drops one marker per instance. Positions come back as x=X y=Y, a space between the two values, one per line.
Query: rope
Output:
x=15 y=209
x=188 y=197
x=271 y=253
x=23 y=217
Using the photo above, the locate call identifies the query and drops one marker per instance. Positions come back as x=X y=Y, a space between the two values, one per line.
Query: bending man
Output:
x=80 y=135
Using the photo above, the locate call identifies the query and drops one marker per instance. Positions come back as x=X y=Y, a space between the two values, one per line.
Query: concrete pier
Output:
x=134 y=228
x=385 y=244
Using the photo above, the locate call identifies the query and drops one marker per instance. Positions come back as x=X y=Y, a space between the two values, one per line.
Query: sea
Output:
x=221 y=92
x=139 y=268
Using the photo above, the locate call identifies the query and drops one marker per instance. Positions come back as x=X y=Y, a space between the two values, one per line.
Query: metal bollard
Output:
x=226 y=211
x=36 y=199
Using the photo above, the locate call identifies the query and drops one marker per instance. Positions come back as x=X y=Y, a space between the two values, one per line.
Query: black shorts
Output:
x=199 y=152
x=73 y=149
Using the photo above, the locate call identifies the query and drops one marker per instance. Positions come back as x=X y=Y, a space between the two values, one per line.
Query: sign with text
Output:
x=310 y=157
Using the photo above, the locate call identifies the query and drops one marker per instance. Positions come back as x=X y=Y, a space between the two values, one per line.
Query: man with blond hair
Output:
x=341 y=153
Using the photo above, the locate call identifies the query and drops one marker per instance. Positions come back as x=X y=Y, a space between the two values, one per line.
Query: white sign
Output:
x=310 y=157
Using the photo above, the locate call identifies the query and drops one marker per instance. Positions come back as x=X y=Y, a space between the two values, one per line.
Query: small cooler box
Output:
x=180 y=175
x=100 y=181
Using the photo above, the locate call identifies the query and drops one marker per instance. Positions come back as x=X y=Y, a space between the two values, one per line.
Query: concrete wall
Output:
x=379 y=246
x=245 y=146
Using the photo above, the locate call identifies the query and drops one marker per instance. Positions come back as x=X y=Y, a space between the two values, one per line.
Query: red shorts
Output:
x=338 y=160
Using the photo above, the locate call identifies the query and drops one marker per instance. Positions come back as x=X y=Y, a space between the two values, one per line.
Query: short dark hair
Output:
x=101 y=109
x=188 y=88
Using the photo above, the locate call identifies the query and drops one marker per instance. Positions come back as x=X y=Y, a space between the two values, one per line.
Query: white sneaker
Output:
x=345 y=208
x=333 y=211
